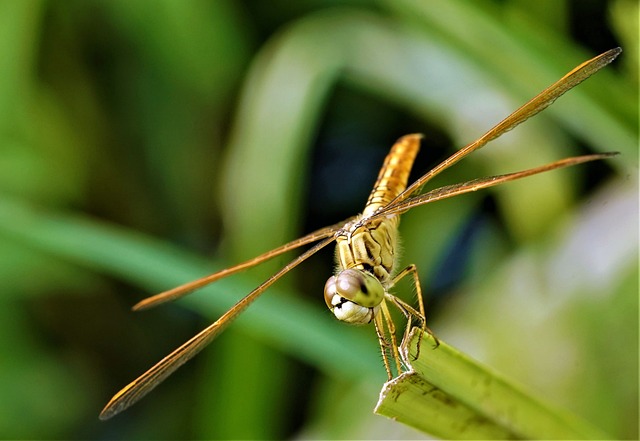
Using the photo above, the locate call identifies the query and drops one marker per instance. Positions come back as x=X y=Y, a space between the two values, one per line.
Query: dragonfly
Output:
x=359 y=292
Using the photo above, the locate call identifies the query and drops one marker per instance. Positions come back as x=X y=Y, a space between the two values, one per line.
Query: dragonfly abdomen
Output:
x=394 y=174
x=371 y=246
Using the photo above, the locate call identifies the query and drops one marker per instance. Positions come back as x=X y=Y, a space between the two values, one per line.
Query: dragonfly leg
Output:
x=391 y=328
x=411 y=269
x=410 y=312
x=384 y=344
x=386 y=331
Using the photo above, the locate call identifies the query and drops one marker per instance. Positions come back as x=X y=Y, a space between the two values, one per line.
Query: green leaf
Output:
x=450 y=395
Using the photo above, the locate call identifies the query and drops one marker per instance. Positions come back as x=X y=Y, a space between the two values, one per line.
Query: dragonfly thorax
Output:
x=369 y=246
x=365 y=254
x=354 y=296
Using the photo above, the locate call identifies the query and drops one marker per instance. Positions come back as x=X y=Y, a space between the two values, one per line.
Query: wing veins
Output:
x=537 y=104
x=141 y=386
x=449 y=191
x=187 y=288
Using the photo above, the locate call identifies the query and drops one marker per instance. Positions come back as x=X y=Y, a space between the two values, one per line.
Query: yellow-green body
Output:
x=371 y=246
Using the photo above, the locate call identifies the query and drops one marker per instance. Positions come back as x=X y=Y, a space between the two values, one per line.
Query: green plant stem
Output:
x=450 y=395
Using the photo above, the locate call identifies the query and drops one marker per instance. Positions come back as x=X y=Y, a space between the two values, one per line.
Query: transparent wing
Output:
x=478 y=184
x=187 y=288
x=137 y=389
x=540 y=102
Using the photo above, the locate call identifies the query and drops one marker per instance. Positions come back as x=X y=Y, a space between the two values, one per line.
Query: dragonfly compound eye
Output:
x=330 y=292
x=353 y=296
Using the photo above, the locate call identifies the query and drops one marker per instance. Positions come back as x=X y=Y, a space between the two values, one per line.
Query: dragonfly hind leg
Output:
x=410 y=312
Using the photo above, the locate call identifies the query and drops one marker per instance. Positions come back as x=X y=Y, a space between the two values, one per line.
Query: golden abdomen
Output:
x=372 y=247
x=394 y=174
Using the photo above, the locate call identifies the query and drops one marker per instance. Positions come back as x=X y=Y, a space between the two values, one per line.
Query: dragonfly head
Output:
x=353 y=296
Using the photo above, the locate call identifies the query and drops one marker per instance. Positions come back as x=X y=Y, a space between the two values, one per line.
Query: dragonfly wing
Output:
x=144 y=384
x=154 y=376
x=540 y=102
x=478 y=184
x=189 y=287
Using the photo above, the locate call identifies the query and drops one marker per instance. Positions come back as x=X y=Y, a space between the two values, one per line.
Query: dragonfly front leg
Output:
x=387 y=345
x=391 y=328
x=384 y=344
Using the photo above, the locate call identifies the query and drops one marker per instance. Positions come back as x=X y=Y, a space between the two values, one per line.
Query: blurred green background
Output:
x=147 y=143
